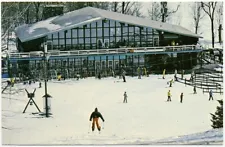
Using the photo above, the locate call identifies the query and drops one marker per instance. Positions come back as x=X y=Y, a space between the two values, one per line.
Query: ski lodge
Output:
x=91 y=40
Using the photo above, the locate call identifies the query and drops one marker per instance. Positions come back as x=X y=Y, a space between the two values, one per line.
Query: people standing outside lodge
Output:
x=171 y=82
x=175 y=75
x=59 y=77
x=194 y=89
x=125 y=97
x=139 y=72
x=123 y=75
x=164 y=72
x=145 y=71
x=95 y=115
x=182 y=74
x=169 y=96
x=181 y=97
x=12 y=81
x=210 y=95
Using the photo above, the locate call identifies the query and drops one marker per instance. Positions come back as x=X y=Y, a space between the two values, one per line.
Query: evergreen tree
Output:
x=217 y=118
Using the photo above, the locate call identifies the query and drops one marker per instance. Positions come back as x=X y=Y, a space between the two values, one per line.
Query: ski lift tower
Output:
x=46 y=96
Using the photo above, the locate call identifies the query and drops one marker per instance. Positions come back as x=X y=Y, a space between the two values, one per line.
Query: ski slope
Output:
x=146 y=119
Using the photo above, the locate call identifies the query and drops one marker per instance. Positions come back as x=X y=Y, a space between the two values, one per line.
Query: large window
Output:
x=104 y=34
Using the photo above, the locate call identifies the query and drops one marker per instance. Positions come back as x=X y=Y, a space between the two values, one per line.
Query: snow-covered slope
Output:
x=146 y=119
x=213 y=136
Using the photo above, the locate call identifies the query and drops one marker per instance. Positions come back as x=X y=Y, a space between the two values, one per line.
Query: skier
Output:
x=95 y=115
x=123 y=74
x=125 y=97
x=181 y=97
x=139 y=73
x=210 y=95
x=169 y=96
x=39 y=84
x=194 y=90
x=164 y=72
x=99 y=75
x=171 y=82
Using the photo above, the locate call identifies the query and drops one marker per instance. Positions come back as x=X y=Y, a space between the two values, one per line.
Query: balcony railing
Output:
x=53 y=53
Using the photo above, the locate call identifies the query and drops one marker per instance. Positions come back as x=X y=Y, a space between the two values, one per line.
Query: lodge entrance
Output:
x=102 y=66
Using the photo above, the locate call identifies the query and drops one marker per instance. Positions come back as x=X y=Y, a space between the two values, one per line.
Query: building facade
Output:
x=91 y=29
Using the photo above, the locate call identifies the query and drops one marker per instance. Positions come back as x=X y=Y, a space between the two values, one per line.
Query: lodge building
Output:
x=91 y=40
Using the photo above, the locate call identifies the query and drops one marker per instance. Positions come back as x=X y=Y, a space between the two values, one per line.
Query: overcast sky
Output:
x=186 y=20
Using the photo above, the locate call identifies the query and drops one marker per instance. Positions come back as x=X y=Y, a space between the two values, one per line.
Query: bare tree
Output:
x=160 y=11
x=164 y=11
x=219 y=16
x=13 y=14
x=209 y=8
x=115 y=6
x=129 y=8
x=197 y=15
x=37 y=9
x=154 y=12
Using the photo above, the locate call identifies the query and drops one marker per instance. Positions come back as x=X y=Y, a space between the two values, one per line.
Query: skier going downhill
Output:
x=95 y=115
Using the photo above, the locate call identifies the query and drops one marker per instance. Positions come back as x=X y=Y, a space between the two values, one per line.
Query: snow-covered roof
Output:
x=87 y=15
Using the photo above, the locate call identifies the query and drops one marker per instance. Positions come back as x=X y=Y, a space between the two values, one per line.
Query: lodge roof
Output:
x=87 y=15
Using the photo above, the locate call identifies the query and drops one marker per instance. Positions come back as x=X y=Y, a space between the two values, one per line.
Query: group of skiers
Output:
x=169 y=97
x=142 y=71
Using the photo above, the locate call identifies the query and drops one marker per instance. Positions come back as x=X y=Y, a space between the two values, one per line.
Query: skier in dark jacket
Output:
x=210 y=95
x=95 y=115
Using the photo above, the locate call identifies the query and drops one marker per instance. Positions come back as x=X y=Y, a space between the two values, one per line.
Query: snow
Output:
x=207 y=44
x=146 y=119
x=44 y=24
x=212 y=136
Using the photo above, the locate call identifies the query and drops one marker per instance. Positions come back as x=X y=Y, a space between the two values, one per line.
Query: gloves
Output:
x=90 y=119
x=103 y=120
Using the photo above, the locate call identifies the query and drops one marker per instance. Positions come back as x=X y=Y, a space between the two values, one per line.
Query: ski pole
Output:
x=103 y=125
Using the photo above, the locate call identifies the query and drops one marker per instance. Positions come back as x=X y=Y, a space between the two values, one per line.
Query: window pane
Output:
x=99 y=23
x=87 y=32
x=61 y=34
x=106 y=23
x=87 y=40
x=80 y=32
x=74 y=33
x=93 y=24
x=118 y=31
x=93 y=40
x=81 y=40
x=100 y=32
x=106 y=31
x=112 y=23
x=118 y=24
x=93 y=32
x=68 y=34
x=112 y=31
x=74 y=41
x=55 y=35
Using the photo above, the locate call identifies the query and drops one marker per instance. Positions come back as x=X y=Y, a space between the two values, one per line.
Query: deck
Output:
x=38 y=55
